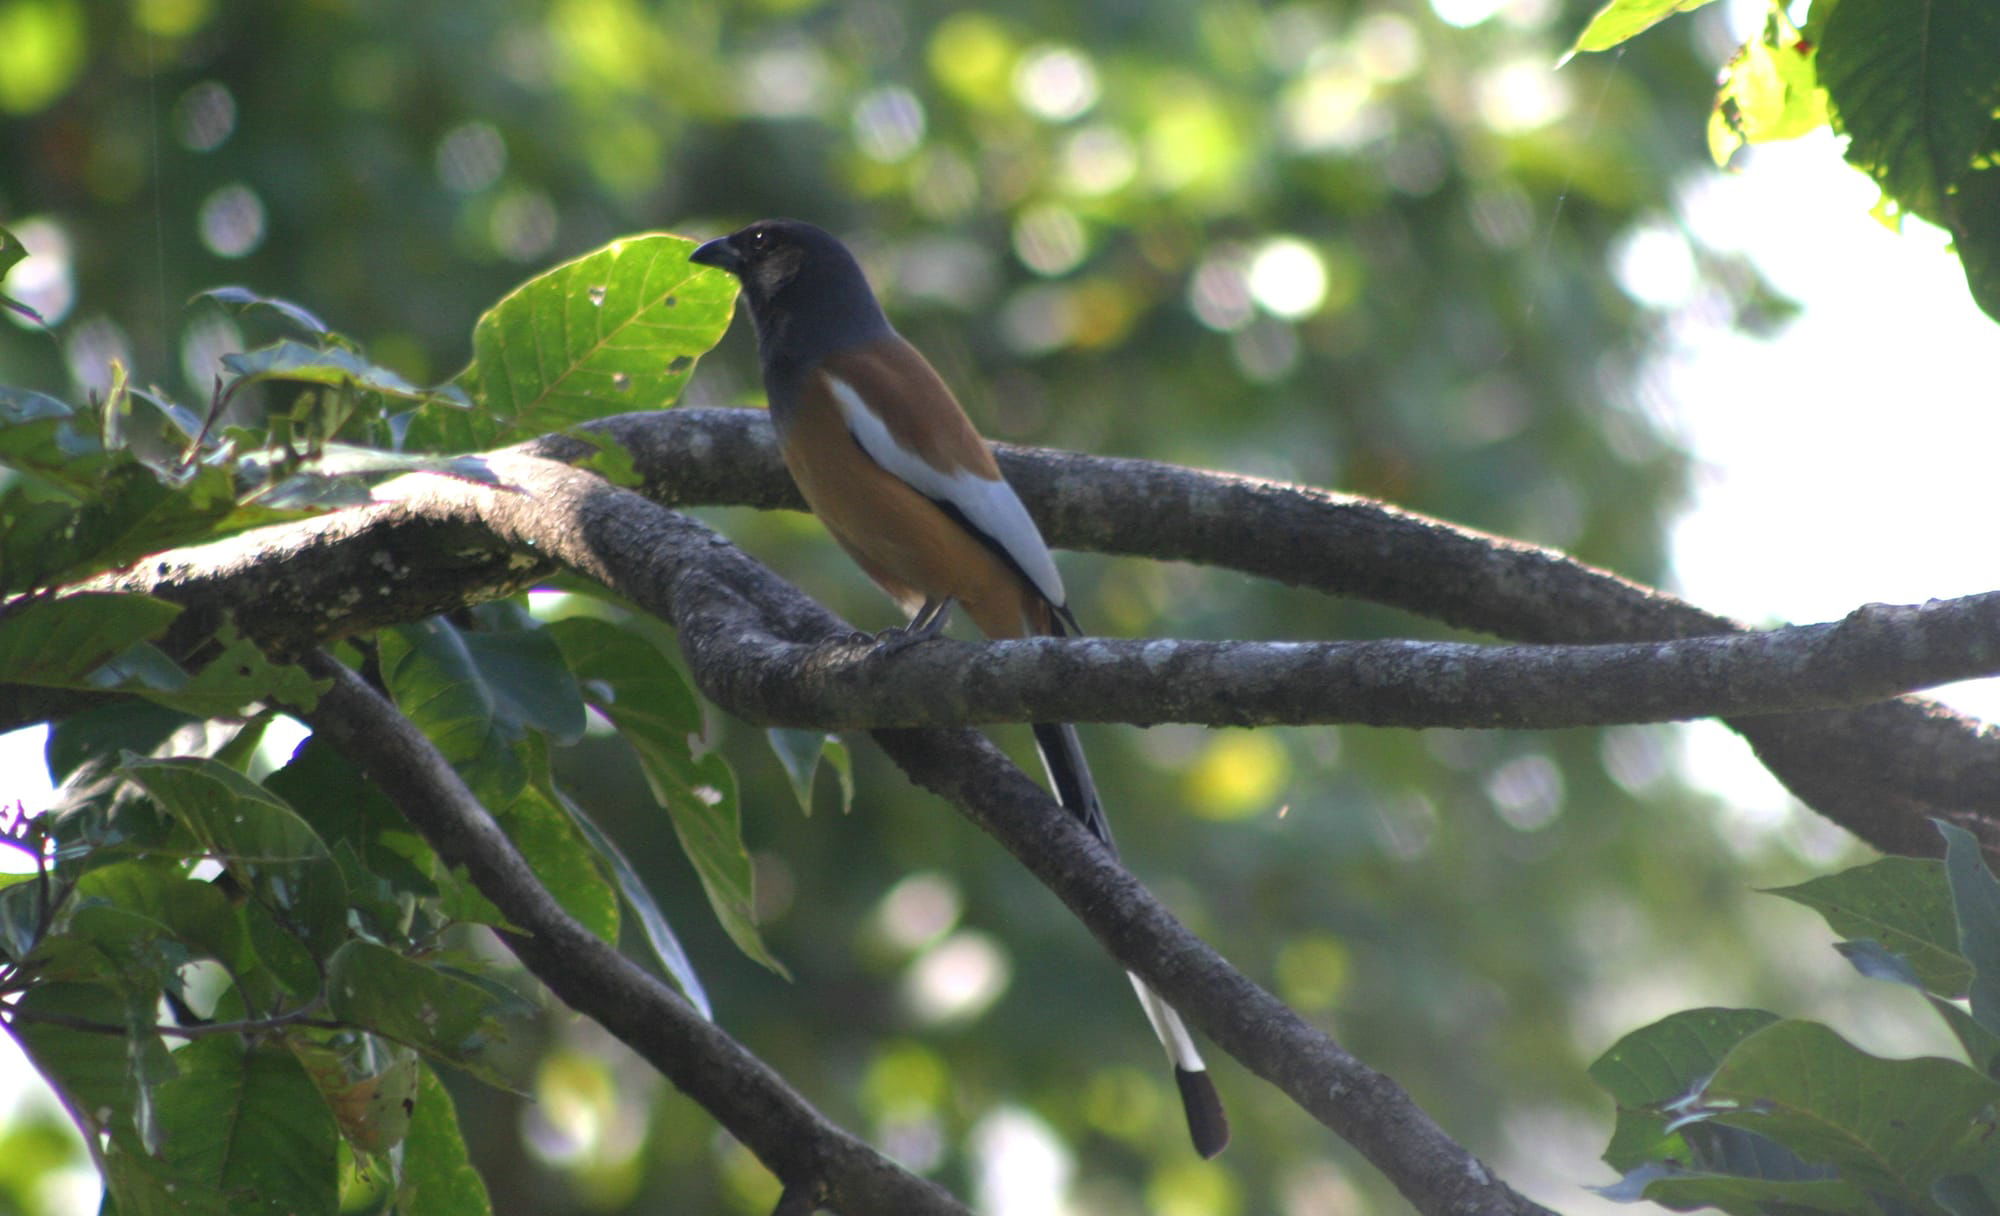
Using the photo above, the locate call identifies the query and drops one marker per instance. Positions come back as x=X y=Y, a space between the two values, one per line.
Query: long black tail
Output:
x=1069 y=776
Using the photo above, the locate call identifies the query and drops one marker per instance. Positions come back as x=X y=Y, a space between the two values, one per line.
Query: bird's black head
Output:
x=805 y=290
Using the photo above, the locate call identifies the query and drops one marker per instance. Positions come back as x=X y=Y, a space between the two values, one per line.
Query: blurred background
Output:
x=1379 y=246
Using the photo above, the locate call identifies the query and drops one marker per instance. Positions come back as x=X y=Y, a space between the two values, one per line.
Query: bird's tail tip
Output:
x=1207 y=1123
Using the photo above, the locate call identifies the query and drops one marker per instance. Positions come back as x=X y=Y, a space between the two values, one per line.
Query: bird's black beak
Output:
x=720 y=254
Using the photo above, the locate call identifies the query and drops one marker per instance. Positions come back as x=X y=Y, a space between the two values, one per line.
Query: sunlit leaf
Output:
x=1623 y=19
x=615 y=330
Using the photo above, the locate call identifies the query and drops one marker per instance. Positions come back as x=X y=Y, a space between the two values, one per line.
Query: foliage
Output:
x=1740 y=1110
x=309 y=946
x=1913 y=87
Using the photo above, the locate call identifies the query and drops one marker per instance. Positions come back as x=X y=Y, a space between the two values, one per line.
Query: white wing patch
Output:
x=991 y=506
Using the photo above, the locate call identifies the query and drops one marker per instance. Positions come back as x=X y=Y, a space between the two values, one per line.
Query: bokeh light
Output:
x=232 y=221
x=205 y=116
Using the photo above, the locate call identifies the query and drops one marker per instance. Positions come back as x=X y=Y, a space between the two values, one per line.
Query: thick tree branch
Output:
x=1877 y=651
x=815 y=1159
x=1881 y=770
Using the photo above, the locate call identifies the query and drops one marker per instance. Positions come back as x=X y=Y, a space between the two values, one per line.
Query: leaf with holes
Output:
x=615 y=330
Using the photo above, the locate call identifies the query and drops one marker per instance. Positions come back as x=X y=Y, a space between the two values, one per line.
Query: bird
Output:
x=885 y=456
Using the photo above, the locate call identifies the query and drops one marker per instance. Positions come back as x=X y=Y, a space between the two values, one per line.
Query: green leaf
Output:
x=1667 y=1060
x=474 y=692
x=1623 y=19
x=699 y=793
x=799 y=752
x=1683 y=1190
x=263 y=842
x=628 y=681
x=1902 y=902
x=571 y=870
x=245 y=1123
x=1770 y=91
x=196 y=913
x=636 y=684
x=331 y=366
x=231 y=680
x=1975 y=897
x=615 y=330
x=418 y=1005
x=1655 y=1066
x=12 y=252
x=1892 y=1126
x=56 y=643
x=87 y=1066
x=653 y=922
x=1975 y=233
x=1982 y=1046
x=247 y=301
x=1914 y=87
x=437 y=1171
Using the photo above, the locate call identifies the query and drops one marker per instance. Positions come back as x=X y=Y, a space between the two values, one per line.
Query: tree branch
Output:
x=1365 y=1108
x=1881 y=770
x=1877 y=651
x=809 y=1154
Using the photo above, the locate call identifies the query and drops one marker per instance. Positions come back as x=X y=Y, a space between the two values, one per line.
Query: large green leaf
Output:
x=1892 y=1126
x=616 y=330
x=60 y=641
x=1902 y=902
x=245 y=1122
x=1914 y=87
x=441 y=1015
